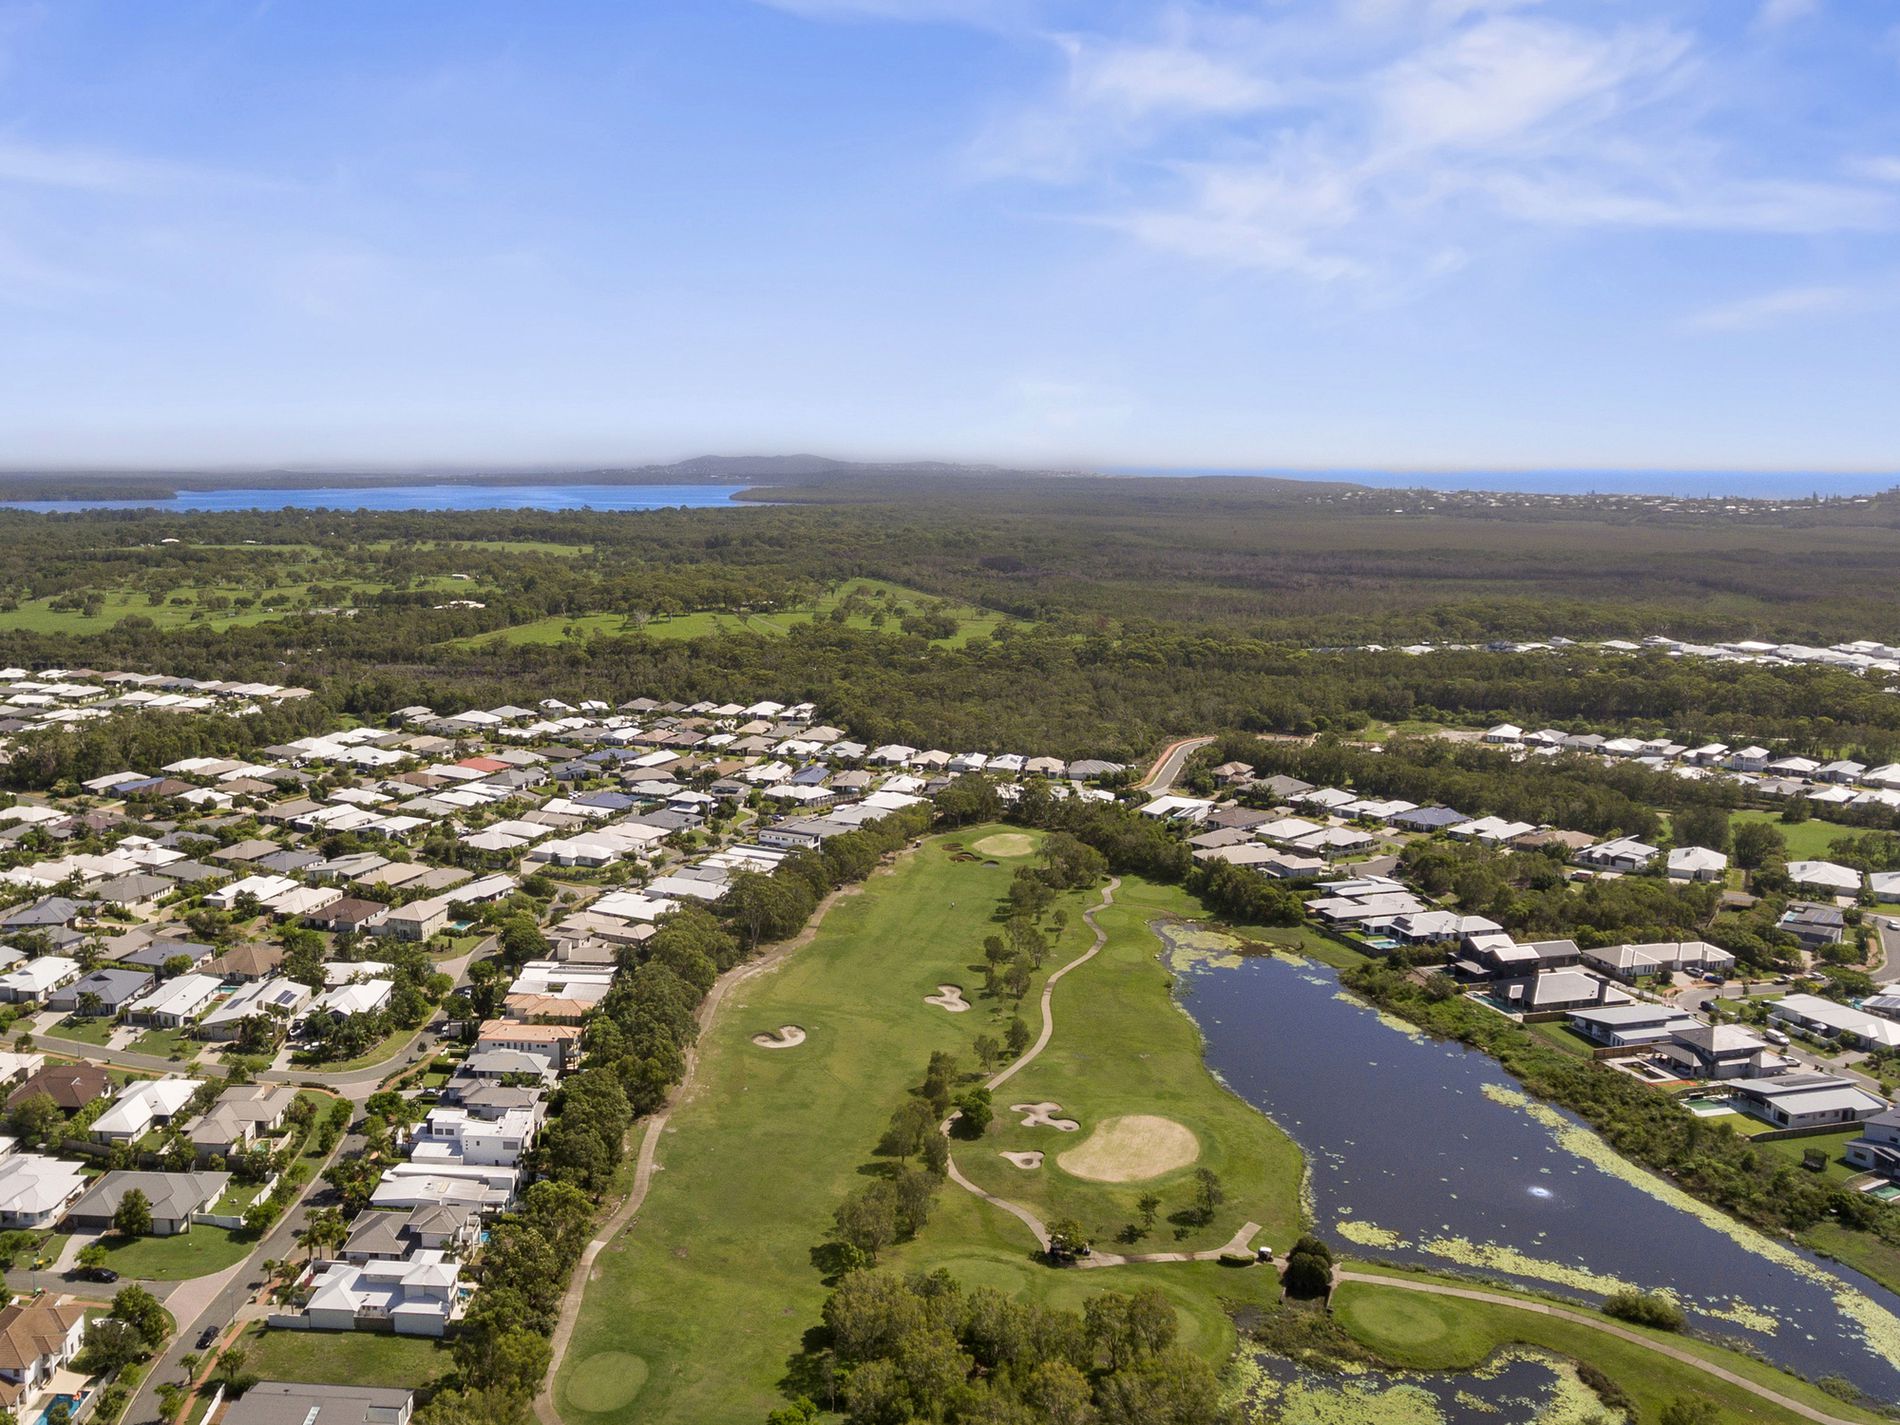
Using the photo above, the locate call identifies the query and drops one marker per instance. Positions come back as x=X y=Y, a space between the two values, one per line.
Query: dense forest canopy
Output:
x=1117 y=612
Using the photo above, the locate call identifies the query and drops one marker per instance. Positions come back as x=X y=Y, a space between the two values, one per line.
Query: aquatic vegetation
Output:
x=1740 y=1313
x=1879 y=1328
x=1194 y=947
x=1369 y=1234
x=1490 y=1256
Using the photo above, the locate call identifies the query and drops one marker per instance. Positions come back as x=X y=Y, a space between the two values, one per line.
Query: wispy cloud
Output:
x=1774 y=14
x=1382 y=140
x=1770 y=309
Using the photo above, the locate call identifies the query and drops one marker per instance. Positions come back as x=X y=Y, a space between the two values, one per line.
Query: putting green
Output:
x=1132 y=1149
x=605 y=1381
x=1004 y=843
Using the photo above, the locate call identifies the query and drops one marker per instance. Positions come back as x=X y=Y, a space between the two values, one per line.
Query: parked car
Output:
x=1775 y=1037
x=207 y=1338
x=96 y=1274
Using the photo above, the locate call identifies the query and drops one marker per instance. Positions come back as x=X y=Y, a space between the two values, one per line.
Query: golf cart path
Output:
x=646 y=1164
x=1609 y=1328
x=1242 y=1240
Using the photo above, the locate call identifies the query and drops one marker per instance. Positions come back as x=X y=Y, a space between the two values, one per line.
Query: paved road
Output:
x=1160 y=779
x=1608 y=1328
x=1887 y=934
x=218 y=1300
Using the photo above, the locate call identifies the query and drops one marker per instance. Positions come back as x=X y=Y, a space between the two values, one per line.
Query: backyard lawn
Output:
x=344 y=1357
x=771 y=1140
x=196 y=1253
x=1423 y=1332
x=1808 y=840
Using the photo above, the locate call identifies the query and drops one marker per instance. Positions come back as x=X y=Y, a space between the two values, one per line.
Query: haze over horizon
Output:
x=1481 y=236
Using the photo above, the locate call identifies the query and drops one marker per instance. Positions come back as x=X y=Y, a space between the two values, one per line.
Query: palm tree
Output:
x=325 y=1228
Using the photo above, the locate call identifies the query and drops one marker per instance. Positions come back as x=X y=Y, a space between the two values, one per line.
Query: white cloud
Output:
x=1776 y=13
x=89 y=170
x=1881 y=168
x=1775 y=308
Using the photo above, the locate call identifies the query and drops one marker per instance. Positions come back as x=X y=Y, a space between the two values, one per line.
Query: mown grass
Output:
x=1808 y=840
x=770 y=1141
x=343 y=1357
x=1441 y=1333
x=196 y=1253
x=1122 y=1047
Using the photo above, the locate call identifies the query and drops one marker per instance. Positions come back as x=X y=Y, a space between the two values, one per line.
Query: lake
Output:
x=415 y=497
x=1429 y=1154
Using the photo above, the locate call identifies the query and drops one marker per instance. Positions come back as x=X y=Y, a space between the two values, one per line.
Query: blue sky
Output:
x=1406 y=233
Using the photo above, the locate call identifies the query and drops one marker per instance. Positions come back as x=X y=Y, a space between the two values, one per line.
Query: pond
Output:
x=1430 y=1154
x=1515 y=1387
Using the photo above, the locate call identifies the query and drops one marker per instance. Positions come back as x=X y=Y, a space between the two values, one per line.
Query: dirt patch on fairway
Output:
x=949 y=997
x=605 y=1381
x=1043 y=1115
x=789 y=1036
x=1028 y=1162
x=1005 y=843
x=1132 y=1149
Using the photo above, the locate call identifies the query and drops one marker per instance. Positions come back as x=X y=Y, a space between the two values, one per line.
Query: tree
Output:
x=1018 y=1036
x=134 y=1215
x=1067 y=1238
x=1690 y=1410
x=1307 y=1274
x=1758 y=842
x=140 y=1310
x=1148 y=1205
x=912 y=1123
x=35 y=1119
x=1702 y=826
x=1208 y=1194
x=92 y=1255
x=974 y=1113
x=867 y=1219
x=188 y=1366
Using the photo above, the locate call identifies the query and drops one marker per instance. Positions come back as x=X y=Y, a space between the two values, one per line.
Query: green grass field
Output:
x=971 y=622
x=1122 y=1048
x=196 y=1253
x=1808 y=840
x=343 y=1357
x=1446 y=1333
x=756 y=1160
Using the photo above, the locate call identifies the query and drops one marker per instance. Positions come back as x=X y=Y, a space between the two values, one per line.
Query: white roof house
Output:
x=1697 y=863
x=363 y=997
x=417 y=1295
x=35 y=1190
x=1825 y=875
x=35 y=979
x=176 y=1001
x=1824 y=1016
x=140 y=1107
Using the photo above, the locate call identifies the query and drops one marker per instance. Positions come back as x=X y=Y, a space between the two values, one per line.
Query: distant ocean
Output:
x=1679 y=484
x=415 y=497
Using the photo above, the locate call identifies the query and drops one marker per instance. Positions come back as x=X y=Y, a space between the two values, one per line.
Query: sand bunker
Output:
x=1028 y=1162
x=789 y=1036
x=1131 y=1150
x=1043 y=1115
x=949 y=997
x=1004 y=843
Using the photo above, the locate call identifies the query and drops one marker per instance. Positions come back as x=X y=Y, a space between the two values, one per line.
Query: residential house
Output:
x=176 y=1002
x=1828 y=877
x=244 y=963
x=1877 y=1150
x=1806 y=1100
x=38 y=1337
x=1696 y=863
x=1632 y=963
x=36 y=979
x=70 y=1086
x=277 y=1402
x=36 y=1190
x=558 y=1044
x=1625 y=855
x=391 y=1236
x=174 y=1197
x=112 y=988
x=240 y=1119
x=1630 y=1025
x=278 y=998
x=1721 y=1051
x=1836 y=1021
x=417 y=1296
x=454 y=1135
x=143 y=1105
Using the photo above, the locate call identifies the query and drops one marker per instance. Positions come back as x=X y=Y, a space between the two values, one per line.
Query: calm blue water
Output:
x=1400 y=1133
x=417 y=497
